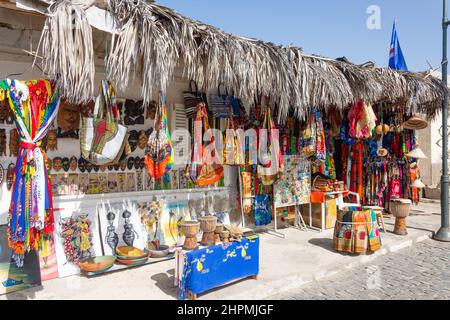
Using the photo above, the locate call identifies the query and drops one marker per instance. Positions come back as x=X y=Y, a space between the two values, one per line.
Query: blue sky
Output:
x=331 y=28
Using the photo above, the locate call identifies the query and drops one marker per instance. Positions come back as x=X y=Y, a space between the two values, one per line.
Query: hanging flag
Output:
x=396 y=58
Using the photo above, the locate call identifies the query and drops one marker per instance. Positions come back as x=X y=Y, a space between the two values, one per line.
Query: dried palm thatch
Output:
x=67 y=50
x=154 y=40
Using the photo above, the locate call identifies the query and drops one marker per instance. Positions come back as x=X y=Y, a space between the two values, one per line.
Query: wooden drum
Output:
x=190 y=230
x=400 y=209
x=208 y=226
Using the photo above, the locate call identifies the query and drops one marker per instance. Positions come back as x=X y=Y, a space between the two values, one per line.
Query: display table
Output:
x=211 y=267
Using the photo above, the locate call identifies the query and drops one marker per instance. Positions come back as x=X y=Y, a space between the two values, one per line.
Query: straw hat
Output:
x=415 y=123
x=416 y=153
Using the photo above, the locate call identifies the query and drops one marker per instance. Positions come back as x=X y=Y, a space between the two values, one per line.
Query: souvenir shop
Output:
x=100 y=176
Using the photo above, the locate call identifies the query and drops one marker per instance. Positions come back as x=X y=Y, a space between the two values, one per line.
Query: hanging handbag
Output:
x=266 y=173
x=262 y=210
x=219 y=103
x=232 y=151
x=192 y=98
x=203 y=172
x=102 y=138
x=159 y=153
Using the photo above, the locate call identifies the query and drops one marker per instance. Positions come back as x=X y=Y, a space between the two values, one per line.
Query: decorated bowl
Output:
x=130 y=253
x=132 y=262
x=96 y=264
x=158 y=252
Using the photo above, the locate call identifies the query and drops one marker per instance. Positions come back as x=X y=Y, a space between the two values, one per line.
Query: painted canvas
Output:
x=83 y=180
x=120 y=225
x=76 y=236
x=294 y=187
x=121 y=182
x=12 y=278
x=139 y=181
x=47 y=260
x=103 y=182
x=112 y=183
x=172 y=214
x=73 y=184
x=131 y=182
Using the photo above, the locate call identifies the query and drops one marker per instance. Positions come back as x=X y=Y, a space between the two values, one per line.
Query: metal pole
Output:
x=443 y=233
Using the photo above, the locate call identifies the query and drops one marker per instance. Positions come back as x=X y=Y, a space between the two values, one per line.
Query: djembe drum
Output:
x=208 y=226
x=400 y=209
x=217 y=231
x=190 y=230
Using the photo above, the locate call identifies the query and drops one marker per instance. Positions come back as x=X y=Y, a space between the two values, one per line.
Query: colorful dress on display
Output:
x=35 y=106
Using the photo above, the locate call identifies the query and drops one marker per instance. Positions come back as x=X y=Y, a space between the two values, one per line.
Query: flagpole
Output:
x=443 y=233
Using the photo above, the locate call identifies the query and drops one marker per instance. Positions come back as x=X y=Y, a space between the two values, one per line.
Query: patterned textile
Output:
x=214 y=266
x=357 y=232
x=34 y=105
x=373 y=234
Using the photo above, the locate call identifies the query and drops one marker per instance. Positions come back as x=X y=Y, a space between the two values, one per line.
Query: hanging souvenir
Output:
x=82 y=165
x=10 y=173
x=219 y=103
x=66 y=164
x=102 y=137
x=35 y=105
x=68 y=120
x=192 y=98
x=4 y=110
x=415 y=123
x=2 y=174
x=270 y=164
x=262 y=210
x=57 y=164
x=204 y=169
x=13 y=142
x=52 y=140
x=73 y=163
x=334 y=119
x=159 y=152
x=362 y=120
x=130 y=163
x=232 y=151
x=133 y=137
x=2 y=142
x=151 y=110
x=142 y=139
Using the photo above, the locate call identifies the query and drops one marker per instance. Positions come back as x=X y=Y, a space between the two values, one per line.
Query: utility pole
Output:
x=443 y=233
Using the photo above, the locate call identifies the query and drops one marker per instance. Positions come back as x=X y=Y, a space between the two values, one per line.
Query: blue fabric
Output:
x=214 y=266
x=262 y=210
x=396 y=58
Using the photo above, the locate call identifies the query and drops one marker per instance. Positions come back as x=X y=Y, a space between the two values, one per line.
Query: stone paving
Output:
x=419 y=272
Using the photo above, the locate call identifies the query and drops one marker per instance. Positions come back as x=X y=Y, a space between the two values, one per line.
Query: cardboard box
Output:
x=316 y=213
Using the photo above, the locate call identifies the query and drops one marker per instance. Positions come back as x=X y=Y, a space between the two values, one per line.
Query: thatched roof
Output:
x=155 y=39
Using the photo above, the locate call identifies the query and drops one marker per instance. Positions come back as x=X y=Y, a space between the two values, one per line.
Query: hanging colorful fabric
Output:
x=103 y=139
x=232 y=151
x=159 y=153
x=204 y=170
x=270 y=164
x=35 y=106
x=262 y=210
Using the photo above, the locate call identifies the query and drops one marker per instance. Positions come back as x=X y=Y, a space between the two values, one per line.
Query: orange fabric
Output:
x=320 y=197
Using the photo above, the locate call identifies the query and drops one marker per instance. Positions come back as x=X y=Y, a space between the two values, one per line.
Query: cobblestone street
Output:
x=419 y=272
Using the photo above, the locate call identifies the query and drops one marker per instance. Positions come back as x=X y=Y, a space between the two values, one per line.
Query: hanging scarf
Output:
x=35 y=106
